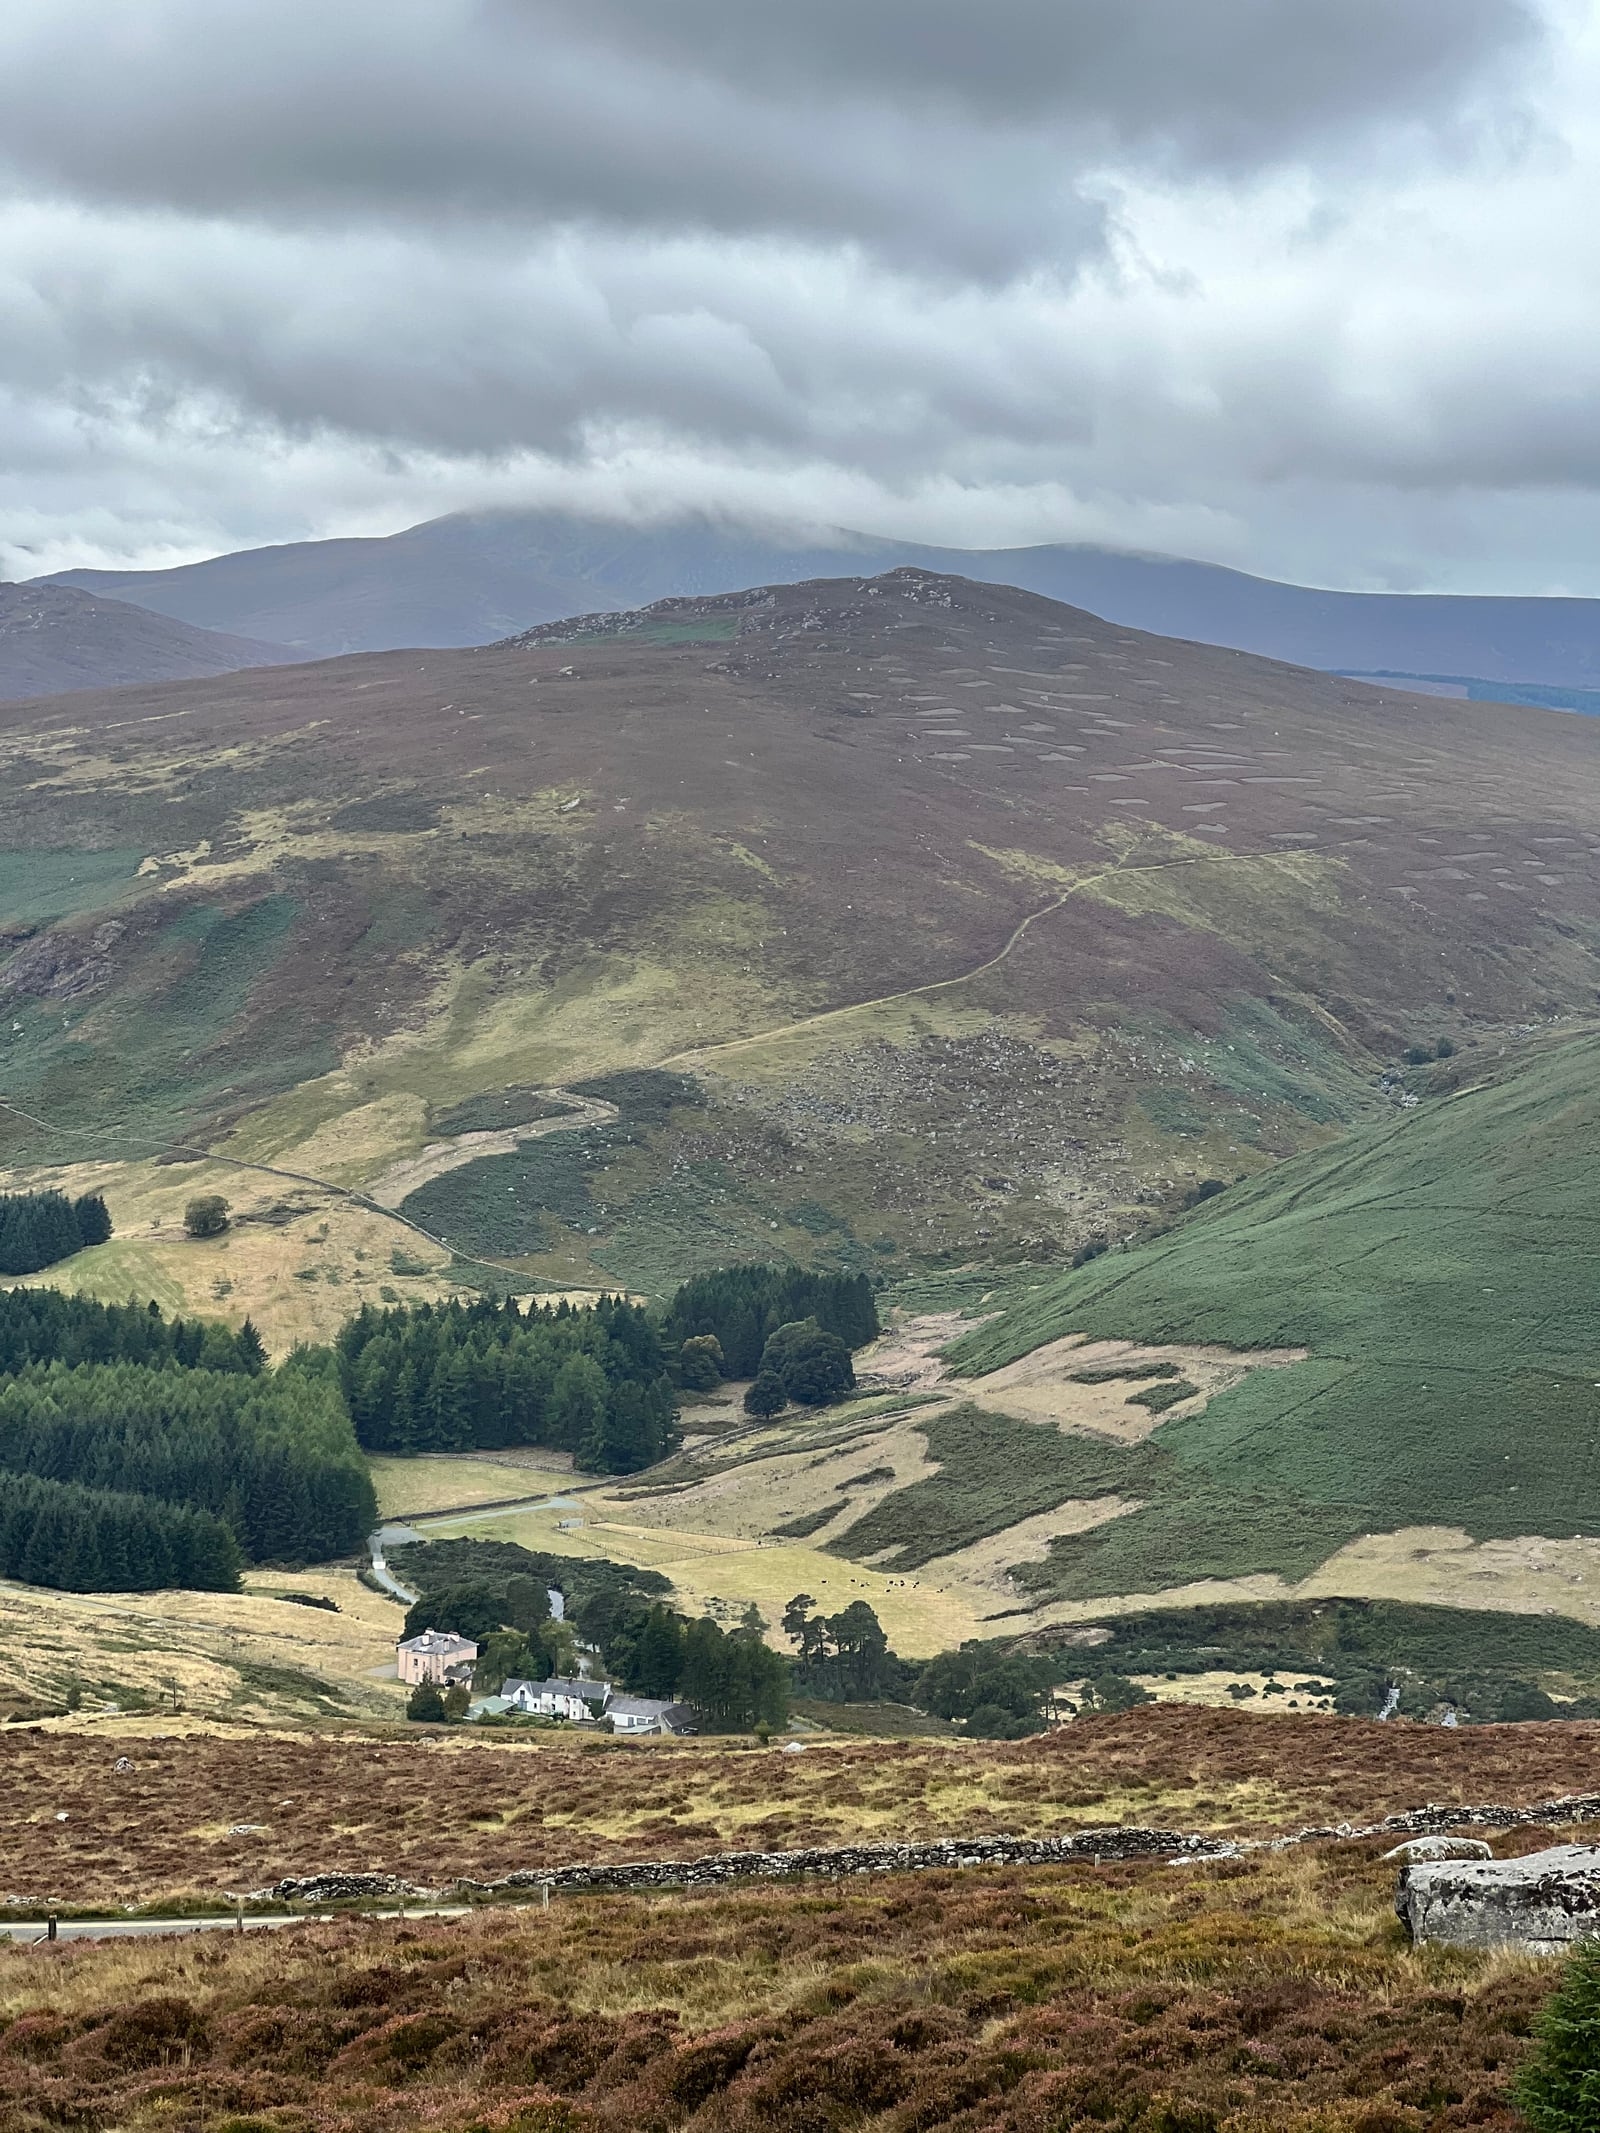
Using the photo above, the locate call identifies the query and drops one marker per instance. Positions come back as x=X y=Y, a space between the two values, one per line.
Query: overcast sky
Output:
x=1307 y=286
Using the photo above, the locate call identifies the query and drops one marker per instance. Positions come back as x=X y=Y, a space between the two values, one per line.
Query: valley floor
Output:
x=758 y=1512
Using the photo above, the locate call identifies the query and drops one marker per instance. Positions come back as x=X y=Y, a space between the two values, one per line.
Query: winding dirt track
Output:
x=441 y=1157
x=436 y=1161
x=978 y=970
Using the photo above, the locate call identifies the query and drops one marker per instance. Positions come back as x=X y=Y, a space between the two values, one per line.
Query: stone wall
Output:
x=1084 y=1847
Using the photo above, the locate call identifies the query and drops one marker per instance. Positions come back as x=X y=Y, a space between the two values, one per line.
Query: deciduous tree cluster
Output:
x=731 y=1677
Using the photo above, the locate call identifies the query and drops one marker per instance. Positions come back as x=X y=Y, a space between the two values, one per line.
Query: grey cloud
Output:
x=1231 y=81
x=973 y=270
x=936 y=134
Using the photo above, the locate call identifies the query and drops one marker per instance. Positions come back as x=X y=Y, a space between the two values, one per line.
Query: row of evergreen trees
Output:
x=731 y=1677
x=270 y=1457
x=743 y=1306
x=38 y=1229
x=459 y=1377
x=99 y=1540
x=45 y=1326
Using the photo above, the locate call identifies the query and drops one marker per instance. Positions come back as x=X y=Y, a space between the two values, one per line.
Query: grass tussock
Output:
x=205 y=1816
x=1227 y=1999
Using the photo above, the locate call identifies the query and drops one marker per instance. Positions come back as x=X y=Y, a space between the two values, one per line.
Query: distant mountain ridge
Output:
x=475 y=577
x=56 y=638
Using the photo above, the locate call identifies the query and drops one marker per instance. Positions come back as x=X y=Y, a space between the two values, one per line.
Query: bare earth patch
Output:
x=907 y=1357
x=1043 y=1386
x=1444 y=1566
x=983 y=1566
x=440 y=1157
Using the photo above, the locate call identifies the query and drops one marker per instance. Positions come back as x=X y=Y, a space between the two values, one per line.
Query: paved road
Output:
x=390 y=1535
x=30 y=1931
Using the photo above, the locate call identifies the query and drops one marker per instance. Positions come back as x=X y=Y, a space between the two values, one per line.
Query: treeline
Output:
x=732 y=1678
x=44 y=1326
x=37 y=1229
x=741 y=1307
x=457 y=1377
x=271 y=1458
x=845 y=1658
x=140 y=1452
x=97 y=1540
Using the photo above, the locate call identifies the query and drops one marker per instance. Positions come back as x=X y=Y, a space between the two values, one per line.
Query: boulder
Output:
x=1417 y=1848
x=1540 y=1904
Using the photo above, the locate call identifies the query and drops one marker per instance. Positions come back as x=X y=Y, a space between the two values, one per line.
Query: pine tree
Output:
x=659 y=1655
x=93 y=1219
x=579 y=1411
x=1558 y=2089
x=252 y=1349
x=19 y=1248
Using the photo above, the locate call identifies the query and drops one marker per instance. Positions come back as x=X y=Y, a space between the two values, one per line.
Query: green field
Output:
x=1441 y=1269
x=38 y=886
x=169 y=1042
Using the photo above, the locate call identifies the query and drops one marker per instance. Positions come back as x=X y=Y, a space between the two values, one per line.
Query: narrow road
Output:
x=439 y=1158
x=393 y=1537
x=31 y=1932
x=269 y=1170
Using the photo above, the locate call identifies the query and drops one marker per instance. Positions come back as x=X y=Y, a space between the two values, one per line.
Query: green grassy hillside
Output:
x=1440 y=1268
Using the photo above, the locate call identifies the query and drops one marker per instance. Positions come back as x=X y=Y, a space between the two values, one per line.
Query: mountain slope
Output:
x=54 y=639
x=475 y=576
x=873 y=922
x=1438 y=1270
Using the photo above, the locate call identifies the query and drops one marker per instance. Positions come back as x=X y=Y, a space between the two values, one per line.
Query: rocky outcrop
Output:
x=1539 y=1904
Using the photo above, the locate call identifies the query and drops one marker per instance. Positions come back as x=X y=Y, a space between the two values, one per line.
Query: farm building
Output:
x=590 y=1703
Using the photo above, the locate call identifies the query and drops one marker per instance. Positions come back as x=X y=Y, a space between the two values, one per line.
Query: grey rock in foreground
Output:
x=1541 y=1904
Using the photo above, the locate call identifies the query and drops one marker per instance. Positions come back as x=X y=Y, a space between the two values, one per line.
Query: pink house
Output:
x=437 y=1655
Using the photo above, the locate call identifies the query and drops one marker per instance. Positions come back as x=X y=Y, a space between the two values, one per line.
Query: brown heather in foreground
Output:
x=205 y=1815
x=1273 y=1993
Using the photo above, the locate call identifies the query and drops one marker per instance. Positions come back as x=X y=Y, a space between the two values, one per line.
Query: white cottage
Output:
x=558 y=1698
x=588 y=1702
